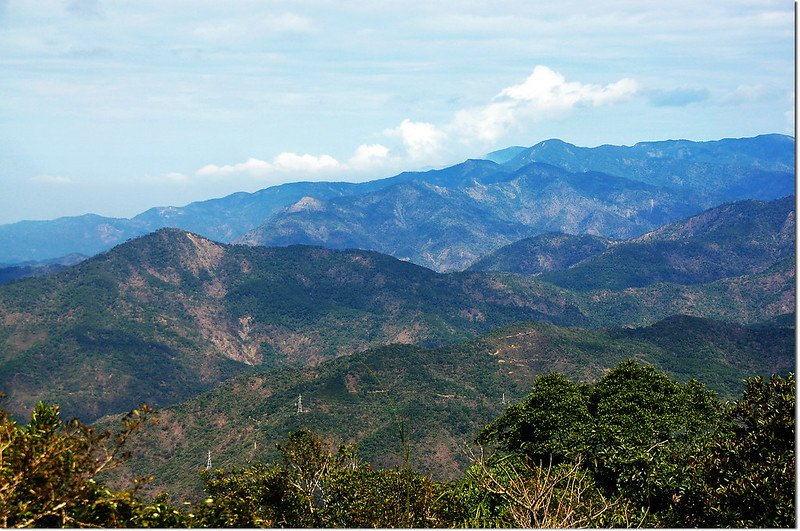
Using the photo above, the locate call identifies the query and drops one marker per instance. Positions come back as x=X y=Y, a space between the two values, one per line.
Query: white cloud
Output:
x=252 y=166
x=423 y=141
x=284 y=163
x=294 y=163
x=52 y=179
x=368 y=157
x=544 y=94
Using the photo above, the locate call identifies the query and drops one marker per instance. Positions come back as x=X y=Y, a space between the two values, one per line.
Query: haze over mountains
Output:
x=442 y=219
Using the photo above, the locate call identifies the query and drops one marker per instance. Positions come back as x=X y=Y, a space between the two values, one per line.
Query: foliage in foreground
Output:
x=634 y=448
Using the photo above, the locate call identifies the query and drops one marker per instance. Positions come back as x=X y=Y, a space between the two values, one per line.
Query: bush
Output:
x=49 y=473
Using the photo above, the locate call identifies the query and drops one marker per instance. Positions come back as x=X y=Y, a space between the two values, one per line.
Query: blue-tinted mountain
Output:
x=501 y=156
x=11 y=272
x=228 y=217
x=41 y=240
x=719 y=171
x=220 y=219
x=447 y=226
x=696 y=174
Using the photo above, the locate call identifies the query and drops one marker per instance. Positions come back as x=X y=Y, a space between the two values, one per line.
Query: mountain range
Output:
x=462 y=212
x=714 y=172
x=448 y=226
x=168 y=315
x=733 y=239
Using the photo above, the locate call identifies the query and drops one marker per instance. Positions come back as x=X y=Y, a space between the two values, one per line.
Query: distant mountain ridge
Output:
x=9 y=273
x=447 y=227
x=714 y=171
x=698 y=174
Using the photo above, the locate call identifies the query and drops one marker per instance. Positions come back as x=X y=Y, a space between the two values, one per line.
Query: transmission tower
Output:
x=208 y=463
x=299 y=404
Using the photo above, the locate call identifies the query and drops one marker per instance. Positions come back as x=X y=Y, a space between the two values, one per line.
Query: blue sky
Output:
x=115 y=106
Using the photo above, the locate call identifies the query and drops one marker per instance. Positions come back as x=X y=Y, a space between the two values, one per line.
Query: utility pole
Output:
x=504 y=399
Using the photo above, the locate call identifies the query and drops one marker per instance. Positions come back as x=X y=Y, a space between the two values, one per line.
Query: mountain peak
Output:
x=307 y=204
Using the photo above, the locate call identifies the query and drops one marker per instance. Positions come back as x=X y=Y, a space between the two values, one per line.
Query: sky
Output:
x=112 y=107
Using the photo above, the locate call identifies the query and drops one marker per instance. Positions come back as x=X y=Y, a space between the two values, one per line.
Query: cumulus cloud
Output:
x=544 y=94
x=422 y=140
x=284 y=163
x=52 y=179
x=368 y=157
x=251 y=166
x=294 y=163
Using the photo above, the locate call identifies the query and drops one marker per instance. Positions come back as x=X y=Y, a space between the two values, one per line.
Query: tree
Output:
x=626 y=429
x=745 y=475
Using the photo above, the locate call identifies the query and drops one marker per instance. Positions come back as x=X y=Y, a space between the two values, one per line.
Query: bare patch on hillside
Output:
x=237 y=345
x=207 y=255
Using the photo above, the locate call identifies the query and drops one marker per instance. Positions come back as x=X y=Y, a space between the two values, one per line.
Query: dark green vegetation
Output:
x=438 y=398
x=634 y=448
x=167 y=316
x=637 y=189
